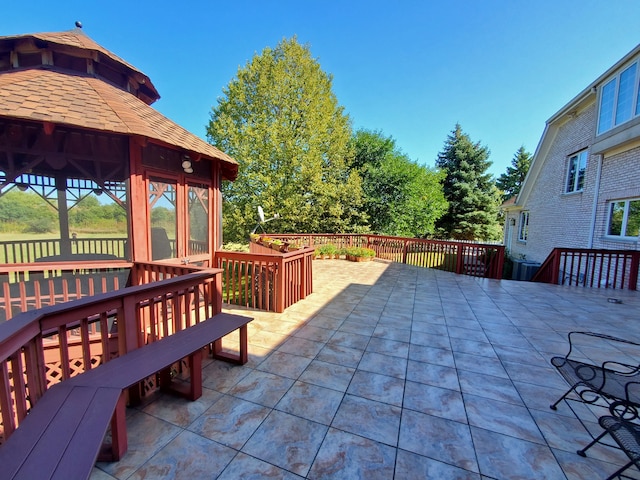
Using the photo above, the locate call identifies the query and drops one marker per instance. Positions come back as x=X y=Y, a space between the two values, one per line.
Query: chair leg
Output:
x=554 y=406
x=619 y=471
x=583 y=453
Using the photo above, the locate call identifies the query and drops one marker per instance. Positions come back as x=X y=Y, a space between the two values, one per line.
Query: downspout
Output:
x=595 y=202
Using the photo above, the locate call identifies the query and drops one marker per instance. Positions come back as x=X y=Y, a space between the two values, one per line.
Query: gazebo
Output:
x=76 y=122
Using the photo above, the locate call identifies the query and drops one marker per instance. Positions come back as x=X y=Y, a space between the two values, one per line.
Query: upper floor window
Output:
x=624 y=218
x=523 y=231
x=575 y=172
x=619 y=99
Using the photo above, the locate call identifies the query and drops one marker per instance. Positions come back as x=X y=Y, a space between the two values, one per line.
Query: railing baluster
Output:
x=9 y=421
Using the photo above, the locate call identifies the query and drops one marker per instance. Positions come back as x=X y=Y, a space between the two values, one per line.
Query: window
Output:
x=624 y=218
x=523 y=232
x=164 y=226
x=619 y=99
x=198 y=196
x=575 y=172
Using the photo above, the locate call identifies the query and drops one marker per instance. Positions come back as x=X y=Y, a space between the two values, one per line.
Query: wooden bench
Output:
x=62 y=437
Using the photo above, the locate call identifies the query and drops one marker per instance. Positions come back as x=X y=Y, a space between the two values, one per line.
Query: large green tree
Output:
x=402 y=197
x=473 y=197
x=511 y=181
x=281 y=121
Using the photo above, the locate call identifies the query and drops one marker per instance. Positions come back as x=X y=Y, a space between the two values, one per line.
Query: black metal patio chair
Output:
x=606 y=381
x=626 y=434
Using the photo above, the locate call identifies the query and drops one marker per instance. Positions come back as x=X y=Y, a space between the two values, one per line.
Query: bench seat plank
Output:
x=22 y=442
x=80 y=455
x=58 y=435
x=127 y=370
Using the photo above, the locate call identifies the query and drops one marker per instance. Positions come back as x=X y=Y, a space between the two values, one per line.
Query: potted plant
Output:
x=360 y=254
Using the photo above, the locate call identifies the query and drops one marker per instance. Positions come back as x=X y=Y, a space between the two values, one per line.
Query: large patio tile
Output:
x=287 y=441
x=230 y=421
x=345 y=356
x=472 y=347
x=246 y=466
x=543 y=376
x=284 y=364
x=349 y=340
x=378 y=387
x=488 y=386
x=329 y=375
x=344 y=456
x=377 y=362
x=388 y=347
x=301 y=347
x=221 y=376
x=187 y=456
x=180 y=411
x=508 y=458
x=576 y=467
x=479 y=364
x=391 y=332
x=356 y=327
x=430 y=340
x=437 y=356
x=437 y=375
x=146 y=436
x=504 y=418
x=314 y=333
x=262 y=388
x=374 y=420
x=410 y=466
x=444 y=440
x=440 y=402
x=467 y=333
x=312 y=402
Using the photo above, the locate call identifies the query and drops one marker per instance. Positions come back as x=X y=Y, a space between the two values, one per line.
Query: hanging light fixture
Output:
x=186 y=164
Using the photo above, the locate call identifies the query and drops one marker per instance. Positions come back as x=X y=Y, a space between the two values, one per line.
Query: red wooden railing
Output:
x=88 y=331
x=29 y=251
x=268 y=281
x=466 y=258
x=616 y=269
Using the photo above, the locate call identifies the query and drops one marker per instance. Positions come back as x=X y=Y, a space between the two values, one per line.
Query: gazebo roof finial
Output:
x=78 y=24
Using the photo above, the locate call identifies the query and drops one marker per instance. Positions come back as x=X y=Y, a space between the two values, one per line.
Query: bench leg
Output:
x=240 y=359
x=194 y=390
x=118 y=447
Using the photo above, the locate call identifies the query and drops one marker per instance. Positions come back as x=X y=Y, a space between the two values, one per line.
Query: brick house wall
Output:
x=558 y=219
x=620 y=179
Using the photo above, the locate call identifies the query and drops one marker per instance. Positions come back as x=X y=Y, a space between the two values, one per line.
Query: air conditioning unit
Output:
x=528 y=270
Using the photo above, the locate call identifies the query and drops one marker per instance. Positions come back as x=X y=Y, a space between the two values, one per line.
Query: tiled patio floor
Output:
x=389 y=371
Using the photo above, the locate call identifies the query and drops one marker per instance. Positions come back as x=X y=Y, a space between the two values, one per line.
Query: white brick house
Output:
x=583 y=186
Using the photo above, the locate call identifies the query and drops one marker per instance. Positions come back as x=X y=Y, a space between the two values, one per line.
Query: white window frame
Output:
x=523 y=228
x=577 y=159
x=611 y=118
x=625 y=219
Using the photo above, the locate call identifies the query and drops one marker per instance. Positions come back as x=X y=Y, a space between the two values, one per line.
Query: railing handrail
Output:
x=395 y=248
x=584 y=262
x=26 y=326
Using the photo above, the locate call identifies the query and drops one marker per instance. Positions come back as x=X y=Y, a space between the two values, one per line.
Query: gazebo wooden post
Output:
x=63 y=216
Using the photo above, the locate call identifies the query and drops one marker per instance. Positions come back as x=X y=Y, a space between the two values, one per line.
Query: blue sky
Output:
x=411 y=69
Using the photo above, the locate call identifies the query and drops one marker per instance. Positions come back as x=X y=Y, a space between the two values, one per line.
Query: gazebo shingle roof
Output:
x=87 y=102
x=48 y=94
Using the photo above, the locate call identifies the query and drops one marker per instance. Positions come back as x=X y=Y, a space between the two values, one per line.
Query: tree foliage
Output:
x=473 y=197
x=26 y=212
x=281 y=121
x=511 y=181
x=402 y=198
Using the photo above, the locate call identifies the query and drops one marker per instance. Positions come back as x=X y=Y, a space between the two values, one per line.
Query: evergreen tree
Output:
x=402 y=198
x=281 y=121
x=473 y=197
x=511 y=181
